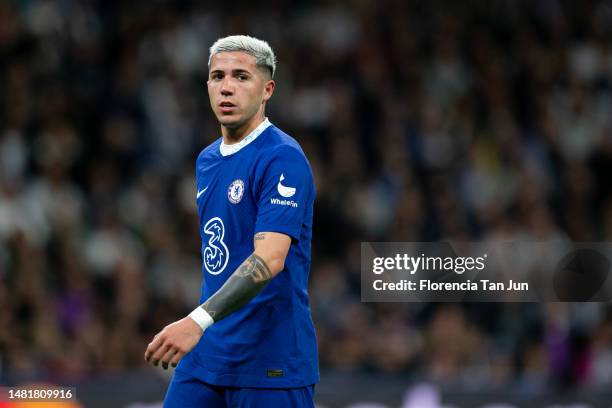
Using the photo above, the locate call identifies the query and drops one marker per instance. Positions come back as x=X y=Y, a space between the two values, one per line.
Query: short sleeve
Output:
x=285 y=192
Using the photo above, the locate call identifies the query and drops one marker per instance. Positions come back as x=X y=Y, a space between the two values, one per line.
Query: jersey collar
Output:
x=227 y=150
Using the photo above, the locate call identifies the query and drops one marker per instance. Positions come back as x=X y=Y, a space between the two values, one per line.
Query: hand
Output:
x=173 y=342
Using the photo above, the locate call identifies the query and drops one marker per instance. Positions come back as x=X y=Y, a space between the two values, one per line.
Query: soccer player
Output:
x=251 y=343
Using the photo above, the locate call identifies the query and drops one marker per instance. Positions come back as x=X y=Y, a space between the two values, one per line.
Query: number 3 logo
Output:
x=215 y=252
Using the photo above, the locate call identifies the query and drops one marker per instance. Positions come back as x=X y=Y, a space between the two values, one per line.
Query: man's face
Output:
x=237 y=88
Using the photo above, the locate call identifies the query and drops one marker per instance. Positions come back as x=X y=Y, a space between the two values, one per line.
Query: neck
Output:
x=236 y=134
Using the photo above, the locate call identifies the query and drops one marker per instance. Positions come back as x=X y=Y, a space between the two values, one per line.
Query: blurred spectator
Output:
x=423 y=121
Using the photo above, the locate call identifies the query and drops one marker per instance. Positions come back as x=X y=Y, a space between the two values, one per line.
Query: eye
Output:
x=242 y=77
x=216 y=76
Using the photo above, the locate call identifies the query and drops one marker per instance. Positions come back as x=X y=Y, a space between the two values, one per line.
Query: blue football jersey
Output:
x=264 y=183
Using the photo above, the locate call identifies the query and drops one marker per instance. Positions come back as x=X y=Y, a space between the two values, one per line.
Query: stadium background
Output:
x=468 y=120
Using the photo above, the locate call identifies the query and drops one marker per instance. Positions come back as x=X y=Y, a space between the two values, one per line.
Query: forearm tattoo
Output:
x=243 y=285
x=255 y=267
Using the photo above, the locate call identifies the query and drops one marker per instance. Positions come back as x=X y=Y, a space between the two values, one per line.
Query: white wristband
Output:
x=201 y=317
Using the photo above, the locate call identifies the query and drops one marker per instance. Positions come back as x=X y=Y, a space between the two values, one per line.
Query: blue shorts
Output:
x=186 y=391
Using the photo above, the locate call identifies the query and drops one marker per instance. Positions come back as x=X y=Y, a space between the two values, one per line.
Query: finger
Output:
x=159 y=354
x=149 y=351
x=153 y=346
x=167 y=357
x=177 y=357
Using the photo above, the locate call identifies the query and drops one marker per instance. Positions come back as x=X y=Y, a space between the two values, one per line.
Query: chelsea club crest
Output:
x=235 y=191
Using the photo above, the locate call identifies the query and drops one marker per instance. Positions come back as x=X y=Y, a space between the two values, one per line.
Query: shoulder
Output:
x=281 y=146
x=210 y=152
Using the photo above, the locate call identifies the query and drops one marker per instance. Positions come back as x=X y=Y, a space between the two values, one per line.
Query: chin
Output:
x=233 y=124
x=229 y=122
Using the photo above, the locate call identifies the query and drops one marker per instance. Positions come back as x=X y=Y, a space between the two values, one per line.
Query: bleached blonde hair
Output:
x=261 y=50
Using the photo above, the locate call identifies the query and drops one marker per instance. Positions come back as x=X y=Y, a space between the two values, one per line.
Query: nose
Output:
x=226 y=87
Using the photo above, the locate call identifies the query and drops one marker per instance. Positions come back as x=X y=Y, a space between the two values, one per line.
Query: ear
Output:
x=269 y=87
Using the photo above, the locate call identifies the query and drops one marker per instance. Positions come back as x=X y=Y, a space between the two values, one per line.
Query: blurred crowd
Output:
x=423 y=121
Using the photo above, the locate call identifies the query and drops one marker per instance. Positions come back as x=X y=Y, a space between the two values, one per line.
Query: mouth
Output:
x=227 y=107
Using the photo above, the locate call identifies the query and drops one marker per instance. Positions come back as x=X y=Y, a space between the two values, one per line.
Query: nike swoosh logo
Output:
x=284 y=190
x=201 y=192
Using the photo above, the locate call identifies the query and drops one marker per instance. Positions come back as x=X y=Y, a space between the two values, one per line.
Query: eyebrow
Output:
x=234 y=71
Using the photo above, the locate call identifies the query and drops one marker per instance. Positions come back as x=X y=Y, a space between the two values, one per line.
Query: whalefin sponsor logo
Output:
x=288 y=203
x=285 y=191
